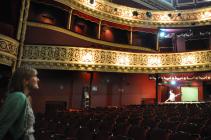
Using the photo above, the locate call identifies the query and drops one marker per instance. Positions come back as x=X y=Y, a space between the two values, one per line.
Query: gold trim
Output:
x=88 y=59
x=105 y=10
x=9 y=39
x=103 y=43
x=8 y=50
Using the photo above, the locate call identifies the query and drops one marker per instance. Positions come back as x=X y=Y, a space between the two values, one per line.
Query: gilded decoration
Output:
x=105 y=10
x=8 y=50
x=88 y=59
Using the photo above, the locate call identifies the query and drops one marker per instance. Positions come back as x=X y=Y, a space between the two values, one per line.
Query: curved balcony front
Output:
x=124 y=15
x=8 y=50
x=89 y=59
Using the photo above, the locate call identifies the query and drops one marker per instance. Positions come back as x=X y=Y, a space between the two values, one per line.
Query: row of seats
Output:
x=144 y=122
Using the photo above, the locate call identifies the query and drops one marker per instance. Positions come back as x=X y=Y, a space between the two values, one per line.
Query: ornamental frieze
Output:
x=8 y=50
x=74 y=58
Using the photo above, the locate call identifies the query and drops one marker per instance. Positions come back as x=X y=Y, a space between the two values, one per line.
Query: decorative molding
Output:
x=88 y=59
x=183 y=76
x=8 y=50
x=107 y=11
x=97 y=41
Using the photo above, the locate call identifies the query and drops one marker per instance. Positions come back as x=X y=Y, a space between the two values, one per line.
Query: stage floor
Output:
x=182 y=102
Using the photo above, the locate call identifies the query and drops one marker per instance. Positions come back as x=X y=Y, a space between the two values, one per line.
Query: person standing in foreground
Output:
x=16 y=115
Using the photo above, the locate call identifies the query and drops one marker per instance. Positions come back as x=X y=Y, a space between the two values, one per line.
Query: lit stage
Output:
x=189 y=102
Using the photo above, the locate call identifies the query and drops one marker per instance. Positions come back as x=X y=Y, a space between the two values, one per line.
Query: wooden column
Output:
x=131 y=35
x=99 y=30
x=19 y=30
x=157 y=41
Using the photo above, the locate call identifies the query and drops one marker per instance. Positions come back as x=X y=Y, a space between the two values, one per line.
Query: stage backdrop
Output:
x=189 y=94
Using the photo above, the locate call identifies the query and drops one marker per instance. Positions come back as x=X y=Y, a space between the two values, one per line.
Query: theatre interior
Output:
x=106 y=67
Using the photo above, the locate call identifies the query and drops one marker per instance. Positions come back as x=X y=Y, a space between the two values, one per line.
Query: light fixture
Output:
x=193 y=23
x=162 y=34
x=88 y=58
x=148 y=14
x=123 y=60
x=135 y=13
x=91 y=1
x=173 y=82
x=154 y=61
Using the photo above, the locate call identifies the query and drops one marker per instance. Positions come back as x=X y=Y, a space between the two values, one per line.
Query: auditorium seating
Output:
x=141 y=122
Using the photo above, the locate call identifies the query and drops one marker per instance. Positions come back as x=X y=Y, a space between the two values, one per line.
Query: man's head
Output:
x=24 y=78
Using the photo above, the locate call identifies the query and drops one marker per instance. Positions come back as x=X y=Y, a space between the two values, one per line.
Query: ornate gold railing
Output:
x=105 y=10
x=88 y=59
x=8 y=50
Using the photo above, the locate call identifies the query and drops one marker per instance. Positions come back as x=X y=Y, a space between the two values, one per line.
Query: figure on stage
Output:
x=172 y=96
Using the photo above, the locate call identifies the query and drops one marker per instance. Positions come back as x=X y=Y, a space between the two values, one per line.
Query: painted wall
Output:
x=109 y=89
x=180 y=44
x=113 y=89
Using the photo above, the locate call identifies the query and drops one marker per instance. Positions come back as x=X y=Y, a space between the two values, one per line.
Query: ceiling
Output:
x=164 y=4
x=168 y=5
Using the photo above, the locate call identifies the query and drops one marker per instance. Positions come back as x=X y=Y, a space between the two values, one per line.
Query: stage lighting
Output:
x=162 y=34
x=135 y=13
x=91 y=1
x=148 y=14
x=193 y=23
x=173 y=82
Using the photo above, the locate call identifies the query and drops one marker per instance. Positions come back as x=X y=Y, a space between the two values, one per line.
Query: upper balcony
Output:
x=117 y=28
x=106 y=28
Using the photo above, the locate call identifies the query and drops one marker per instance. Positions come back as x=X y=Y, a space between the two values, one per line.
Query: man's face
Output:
x=33 y=82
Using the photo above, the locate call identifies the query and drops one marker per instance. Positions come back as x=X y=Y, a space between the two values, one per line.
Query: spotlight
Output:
x=173 y=82
x=148 y=14
x=162 y=34
x=135 y=13
x=193 y=23
x=179 y=14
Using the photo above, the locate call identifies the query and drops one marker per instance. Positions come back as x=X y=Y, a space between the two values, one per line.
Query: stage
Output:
x=189 y=102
